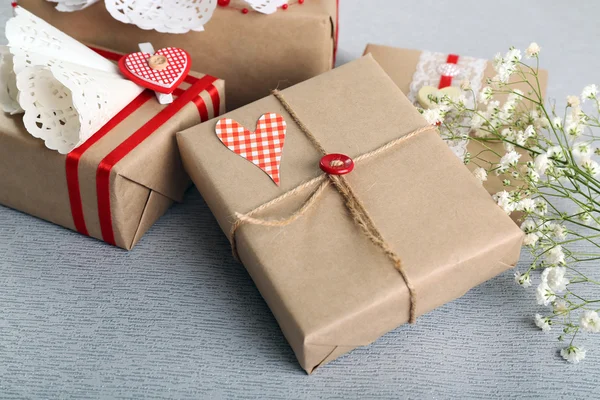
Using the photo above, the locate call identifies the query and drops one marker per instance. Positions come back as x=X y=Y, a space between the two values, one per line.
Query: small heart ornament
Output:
x=426 y=91
x=262 y=147
x=162 y=71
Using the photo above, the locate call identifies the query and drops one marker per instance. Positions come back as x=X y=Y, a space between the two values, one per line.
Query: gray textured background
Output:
x=178 y=318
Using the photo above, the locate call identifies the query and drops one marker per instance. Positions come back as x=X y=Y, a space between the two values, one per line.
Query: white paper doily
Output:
x=64 y=103
x=167 y=16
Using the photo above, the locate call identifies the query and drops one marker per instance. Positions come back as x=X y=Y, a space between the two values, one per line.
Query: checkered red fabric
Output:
x=137 y=64
x=261 y=147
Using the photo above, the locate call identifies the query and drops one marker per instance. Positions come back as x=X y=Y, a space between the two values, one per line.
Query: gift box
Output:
x=252 y=52
x=343 y=259
x=120 y=181
x=412 y=69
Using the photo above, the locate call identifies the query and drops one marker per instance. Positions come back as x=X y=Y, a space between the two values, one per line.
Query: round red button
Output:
x=336 y=164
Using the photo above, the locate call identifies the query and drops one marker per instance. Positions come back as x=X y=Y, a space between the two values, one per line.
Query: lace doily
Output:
x=428 y=73
x=64 y=103
x=167 y=16
x=73 y=5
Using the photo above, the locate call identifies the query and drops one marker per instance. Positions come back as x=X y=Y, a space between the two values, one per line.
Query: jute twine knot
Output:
x=355 y=206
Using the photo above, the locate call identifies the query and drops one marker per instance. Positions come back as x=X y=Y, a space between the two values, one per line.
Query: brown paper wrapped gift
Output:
x=330 y=287
x=252 y=52
x=400 y=65
x=68 y=190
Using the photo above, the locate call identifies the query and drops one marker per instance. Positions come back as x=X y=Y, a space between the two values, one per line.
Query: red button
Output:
x=336 y=164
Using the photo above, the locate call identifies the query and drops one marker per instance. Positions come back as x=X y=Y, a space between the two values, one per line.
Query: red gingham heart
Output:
x=262 y=147
x=135 y=67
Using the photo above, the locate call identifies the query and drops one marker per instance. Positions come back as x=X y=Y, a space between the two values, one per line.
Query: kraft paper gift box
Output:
x=252 y=52
x=120 y=181
x=402 y=66
x=329 y=286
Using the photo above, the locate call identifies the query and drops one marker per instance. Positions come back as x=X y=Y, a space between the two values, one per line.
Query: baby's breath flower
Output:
x=523 y=280
x=557 y=123
x=528 y=226
x=544 y=295
x=589 y=92
x=505 y=201
x=486 y=95
x=529 y=132
x=526 y=205
x=591 y=167
x=573 y=354
x=555 y=256
x=582 y=150
x=509 y=159
x=543 y=323
x=560 y=306
x=590 y=322
x=480 y=174
x=573 y=101
x=433 y=116
x=533 y=50
x=541 y=207
x=531 y=239
x=465 y=84
x=542 y=163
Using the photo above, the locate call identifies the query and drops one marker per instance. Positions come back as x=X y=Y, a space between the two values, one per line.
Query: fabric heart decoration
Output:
x=262 y=147
x=426 y=91
x=161 y=72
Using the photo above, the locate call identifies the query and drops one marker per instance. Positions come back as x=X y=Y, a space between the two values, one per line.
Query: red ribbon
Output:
x=183 y=97
x=446 y=80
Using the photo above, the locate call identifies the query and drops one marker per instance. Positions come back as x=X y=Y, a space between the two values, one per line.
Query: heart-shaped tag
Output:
x=161 y=72
x=262 y=147
x=426 y=91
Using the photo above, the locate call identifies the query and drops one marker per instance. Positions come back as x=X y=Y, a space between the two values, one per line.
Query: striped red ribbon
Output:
x=183 y=97
x=446 y=80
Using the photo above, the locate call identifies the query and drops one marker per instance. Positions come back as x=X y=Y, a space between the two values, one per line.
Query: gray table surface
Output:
x=178 y=318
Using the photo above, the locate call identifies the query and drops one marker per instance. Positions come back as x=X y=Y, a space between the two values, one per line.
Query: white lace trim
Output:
x=64 y=103
x=167 y=16
x=427 y=73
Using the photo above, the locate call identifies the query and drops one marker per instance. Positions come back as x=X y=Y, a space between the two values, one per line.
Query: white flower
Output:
x=591 y=167
x=559 y=231
x=509 y=159
x=486 y=95
x=528 y=226
x=523 y=280
x=465 y=84
x=533 y=176
x=544 y=295
x=529 y=132
x=589 y=92
x=533 y=50
x=513 y=56
x=582 y=150
x=560 y=306
x=555 y=256
x=590 y=322
x=554 y=277
x=480 y=174
x=542 y=163
x=505 y=201
x=527 y=205
x=574 y=129
x=541 y=207
x=531 y=239
x=543 y=323
x=433 y=116
x=573 y=354
x=557 y=122
x=573 y=101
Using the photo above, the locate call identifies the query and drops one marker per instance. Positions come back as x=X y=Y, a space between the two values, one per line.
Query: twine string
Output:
x=355 y=206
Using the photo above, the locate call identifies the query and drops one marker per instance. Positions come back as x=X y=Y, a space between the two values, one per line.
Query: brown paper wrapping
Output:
x=400 y=65
x=142 y=185
x=252 y=52
x=329 y=287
